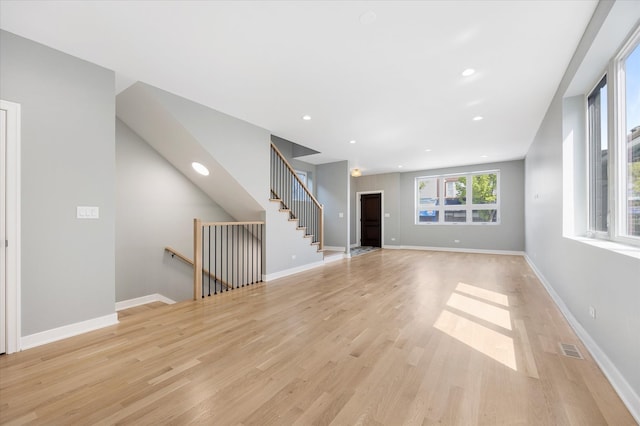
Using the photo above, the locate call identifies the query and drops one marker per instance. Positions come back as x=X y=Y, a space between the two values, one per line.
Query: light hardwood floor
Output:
x=388 y=338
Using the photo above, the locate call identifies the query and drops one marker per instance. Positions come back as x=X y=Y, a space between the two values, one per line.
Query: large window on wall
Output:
x=630 y=152
x=614 y=148
x=468 y=198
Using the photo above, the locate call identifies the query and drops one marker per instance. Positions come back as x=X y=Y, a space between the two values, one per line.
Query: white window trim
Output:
x=441 y=207
x=616 y=134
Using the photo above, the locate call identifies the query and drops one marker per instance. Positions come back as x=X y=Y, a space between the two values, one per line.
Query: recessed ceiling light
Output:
x=468 y=72
x=368 y=17
x=427 y=150
x=478 y=118
x=200 y=168
x=400 y=166
x=306 y=117
x=352 y=142
x=483 y=156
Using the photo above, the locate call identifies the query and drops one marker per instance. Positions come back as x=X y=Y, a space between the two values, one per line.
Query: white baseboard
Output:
x=457 y=250
x=333 y=248
x=629 y=397
x=48 y=336
x=336 y=257
x=354 y=245
x=126 y=304
x=287 y=272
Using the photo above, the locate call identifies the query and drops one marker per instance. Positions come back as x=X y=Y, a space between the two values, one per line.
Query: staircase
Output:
x=295 y=199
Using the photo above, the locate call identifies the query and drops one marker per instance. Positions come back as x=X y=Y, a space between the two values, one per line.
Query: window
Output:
x=614 y=149
x=448 y=199
x=298 y=191
x=303 y=176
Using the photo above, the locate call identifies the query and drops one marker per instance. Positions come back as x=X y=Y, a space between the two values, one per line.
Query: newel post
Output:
x=197 y=259
x=321 y=239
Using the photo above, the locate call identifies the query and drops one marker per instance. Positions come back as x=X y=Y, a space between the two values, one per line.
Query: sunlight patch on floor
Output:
x=482 y=293
x=489 y=313
x=489 y=342
x=494 y=344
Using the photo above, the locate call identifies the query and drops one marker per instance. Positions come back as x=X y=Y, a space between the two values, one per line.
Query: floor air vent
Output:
x=570 y=351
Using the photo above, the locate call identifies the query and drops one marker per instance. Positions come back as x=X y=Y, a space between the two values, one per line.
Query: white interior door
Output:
x=10 y=324
x=3 y=231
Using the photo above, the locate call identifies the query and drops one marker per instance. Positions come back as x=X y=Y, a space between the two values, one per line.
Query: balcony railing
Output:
x=227 y=256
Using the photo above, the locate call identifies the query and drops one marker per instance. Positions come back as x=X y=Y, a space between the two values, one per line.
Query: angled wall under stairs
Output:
x=237 y=155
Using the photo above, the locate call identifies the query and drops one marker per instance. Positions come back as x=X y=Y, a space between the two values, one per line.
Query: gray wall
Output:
x=156 y=205
x=68 y=160
x=242 y=148
x=333 y=193
x=581 y=274
x=183 y=131
x=399 y=203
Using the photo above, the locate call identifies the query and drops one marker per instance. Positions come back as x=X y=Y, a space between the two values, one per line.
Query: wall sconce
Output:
x=356 y=173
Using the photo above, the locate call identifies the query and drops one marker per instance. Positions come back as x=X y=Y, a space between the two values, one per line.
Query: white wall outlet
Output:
x=393 y=238
x=456 y=241
x=592 y=312
x=340 y=214
x=293 y=257
x=87 y=212
x=387 y=215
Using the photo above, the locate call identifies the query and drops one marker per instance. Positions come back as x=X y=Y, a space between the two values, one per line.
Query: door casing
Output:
x=12 y=220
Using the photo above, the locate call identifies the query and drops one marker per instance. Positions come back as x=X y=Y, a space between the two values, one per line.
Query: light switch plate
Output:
x=87 y=212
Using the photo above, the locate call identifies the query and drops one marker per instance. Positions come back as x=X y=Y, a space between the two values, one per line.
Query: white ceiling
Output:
x=394 y=85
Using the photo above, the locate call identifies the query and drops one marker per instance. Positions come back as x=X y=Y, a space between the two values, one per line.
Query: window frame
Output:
x=441 y=207
x=620 y=137
x=603 y=80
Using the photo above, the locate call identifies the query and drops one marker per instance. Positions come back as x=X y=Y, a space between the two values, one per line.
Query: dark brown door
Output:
x=371 y=220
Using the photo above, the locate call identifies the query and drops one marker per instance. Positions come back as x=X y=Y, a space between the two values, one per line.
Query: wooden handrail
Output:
x=231 y=223
x=188 y=261
x=284 y=160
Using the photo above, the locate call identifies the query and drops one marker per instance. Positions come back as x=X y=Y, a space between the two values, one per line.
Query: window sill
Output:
x=615 y=247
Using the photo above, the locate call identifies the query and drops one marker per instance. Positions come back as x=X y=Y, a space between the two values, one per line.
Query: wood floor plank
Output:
x=392 y=337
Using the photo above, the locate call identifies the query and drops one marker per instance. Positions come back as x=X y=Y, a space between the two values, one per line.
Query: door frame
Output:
x=13 y=256
x=358 y=215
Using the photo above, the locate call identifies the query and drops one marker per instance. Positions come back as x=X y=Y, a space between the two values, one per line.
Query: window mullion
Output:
x=469 y=218
x=616 y=131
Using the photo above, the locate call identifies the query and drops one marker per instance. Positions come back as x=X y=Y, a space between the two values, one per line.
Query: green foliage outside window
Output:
x=484 y=189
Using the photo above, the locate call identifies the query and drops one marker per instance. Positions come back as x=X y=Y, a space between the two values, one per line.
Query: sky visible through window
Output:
x=632 y=68
x=632 y=107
